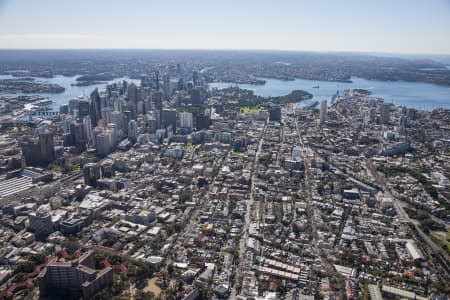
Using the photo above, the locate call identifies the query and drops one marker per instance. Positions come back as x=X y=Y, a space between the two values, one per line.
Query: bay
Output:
x=71 y=91
x=410 y=94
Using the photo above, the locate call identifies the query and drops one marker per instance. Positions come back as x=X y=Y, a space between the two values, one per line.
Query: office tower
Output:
x=95 y=107
x=116 y=118
x=132 y=93
x=147 y=105
x=107 y=168
x=186 y=120
x=203 y=122
x=47 y=147
x=180 y=85
x=140 y=107
x=157 y=80
x=66 y=125
x=104 y=142
x=84 y=108
x=64 y=109
x=366 y=117
x=87 y=126
x=166 y=83
x=132 y=131
x=169 y=117
x=195 y=81
x=77 y=132
x=91 y=173
x=196 y=98
x=146 y=82
x=385 y=113
x=73 y=105
x=403 y=122
x=323 y=111
x=157 y=100
x=150 y=123
x=157 y=104
x=275 y=113
x=116 y=135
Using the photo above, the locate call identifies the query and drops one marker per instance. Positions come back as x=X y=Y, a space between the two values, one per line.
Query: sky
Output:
x=385 y=26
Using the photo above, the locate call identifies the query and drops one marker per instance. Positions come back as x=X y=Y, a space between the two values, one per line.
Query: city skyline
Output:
x=409 y=27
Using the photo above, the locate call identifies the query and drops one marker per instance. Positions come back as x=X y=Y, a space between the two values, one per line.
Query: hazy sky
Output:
x=396 y=26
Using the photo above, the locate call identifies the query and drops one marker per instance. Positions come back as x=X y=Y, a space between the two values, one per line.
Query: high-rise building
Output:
x=132 y=93
x=203 y=122
x=132 y=131
x=403 y=122
x=47 y=146
x=116 y=118
x=157 y=100
x=196 y=96
x=195 y=79
x=95 y=107
x=166 y=83
x=157 y=80
x=186 y=120
x=84 y=108
x=38 y=151
x=150 y=123
x=385 y=113
x=87 y=126
x=169 y=117
x=104 y=142
x=91 y=173
x=323 y=111
x=275 y=113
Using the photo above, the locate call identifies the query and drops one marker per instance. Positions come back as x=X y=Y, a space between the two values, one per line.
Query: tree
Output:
x=103 y=295
x=141 y=295
x=71 y=245
x=24 y=267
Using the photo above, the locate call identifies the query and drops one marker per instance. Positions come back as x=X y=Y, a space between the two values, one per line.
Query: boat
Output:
x=316 y=87
x=43 y=102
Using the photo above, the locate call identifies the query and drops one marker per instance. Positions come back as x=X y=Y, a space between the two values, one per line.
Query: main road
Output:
x=244 y=237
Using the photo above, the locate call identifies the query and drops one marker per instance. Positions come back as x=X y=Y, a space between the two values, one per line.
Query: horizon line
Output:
x=232 y=50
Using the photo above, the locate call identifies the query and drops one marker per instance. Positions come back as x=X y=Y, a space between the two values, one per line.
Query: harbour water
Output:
x=71 y=91
x=411 y=94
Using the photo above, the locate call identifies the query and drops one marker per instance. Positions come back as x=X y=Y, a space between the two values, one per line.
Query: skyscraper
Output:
x=95 y=107
x=169 y=117
x=323 y=111
x=47 y=146
x=275 y=113
x=196 y=98
x=132 y=130
x=166 y=83
x=132 y=93
x=195 y=80
x=385 y=113
x=157 y=80
x=87 y=126
x=186 y=120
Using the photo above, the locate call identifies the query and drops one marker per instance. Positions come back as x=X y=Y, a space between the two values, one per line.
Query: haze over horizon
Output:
x=409 y=27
